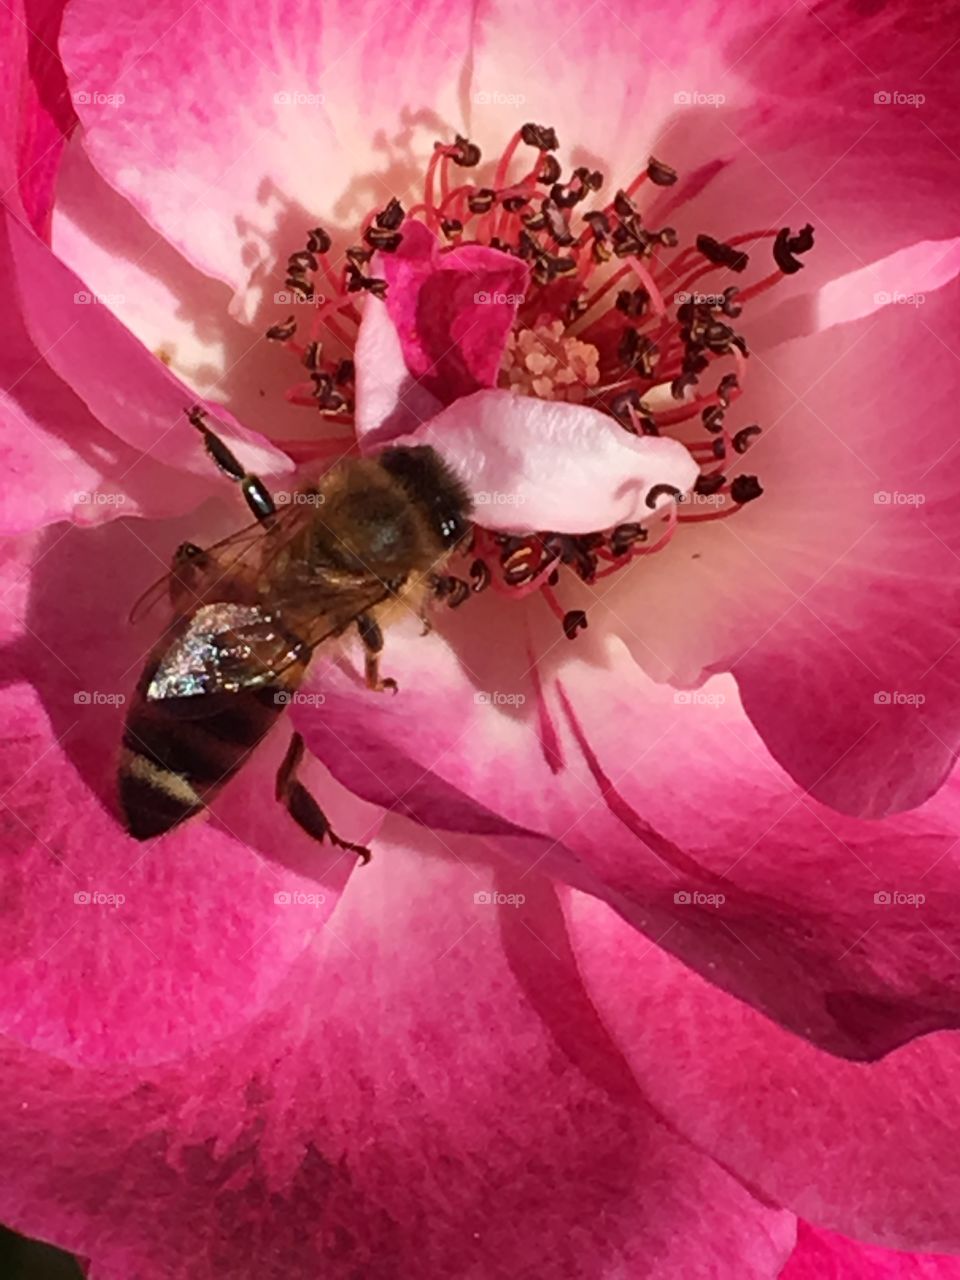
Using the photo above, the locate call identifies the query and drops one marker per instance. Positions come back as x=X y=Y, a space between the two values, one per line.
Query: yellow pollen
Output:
x=545 y=363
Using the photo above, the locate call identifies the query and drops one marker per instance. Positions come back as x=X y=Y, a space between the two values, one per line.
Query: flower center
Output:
x=619 y=316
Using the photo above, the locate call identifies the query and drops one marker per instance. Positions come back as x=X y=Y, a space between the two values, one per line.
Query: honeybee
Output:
x=367 y=542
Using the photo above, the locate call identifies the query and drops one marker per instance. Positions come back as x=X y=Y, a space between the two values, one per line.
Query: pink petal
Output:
x=176 y=312
x=59 y=462
x=452 y=313
x=199 y=942
x=430 y=1094
x=823 y=1255
x=835 y=588
x=390 y=400
x=36 y=109
x=139 y=400
x=545 y=464
x=637 y=794
x=237 y=130
x=870 y=1151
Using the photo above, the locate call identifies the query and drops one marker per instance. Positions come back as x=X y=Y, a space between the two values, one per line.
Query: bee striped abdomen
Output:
x=179 y=752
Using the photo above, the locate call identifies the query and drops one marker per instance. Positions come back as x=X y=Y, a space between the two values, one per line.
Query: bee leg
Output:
x=254 y=490
x=453 y=590
x=302 y=807
x=372 y=638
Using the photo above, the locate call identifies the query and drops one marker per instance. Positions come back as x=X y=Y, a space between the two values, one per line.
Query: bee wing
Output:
x=228 y=647
x=222 y=649
x=190 y=581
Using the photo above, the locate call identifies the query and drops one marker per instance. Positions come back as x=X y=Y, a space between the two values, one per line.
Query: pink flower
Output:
x=651 y=899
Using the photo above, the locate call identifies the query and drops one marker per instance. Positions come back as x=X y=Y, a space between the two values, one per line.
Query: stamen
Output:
x=641 y=352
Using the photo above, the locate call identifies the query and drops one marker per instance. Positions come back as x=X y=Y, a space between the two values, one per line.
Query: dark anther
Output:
x=284 y=331
x=479 y=575
x=514 y=203
x=311 y=355
x=466 y=154
x=668 y=237
x=519 y=560
x=745 y=489
x=623 y=206
x=633 y=302
x=717 y=337
x=566 y=196
x=451 y=227
x=358 y=255
x=345 y=373
x=658 y=490
x=624 y=536
x=679 y=386
x=709 y=483
x=382 y=239
x=621 y=405
x=591 y=179
x=743 y=439
x=391 y=216
x=730 y=307
x=598 y=222
x=722 y=255
x=719 y=450
x=660 y=174
x=550 y=170
x=535 y=220
x=318 y=240
x=556 y=223
x=786 y=246
x=297 y=262
x=328 y=400
x=357 y=281
x=481 y=201
x=299 y=287
x=540 y=136
x=563 y=266
x=712 y=417
x=574 y=620
x=728 y=384
x=576 y=307
x=637 y=351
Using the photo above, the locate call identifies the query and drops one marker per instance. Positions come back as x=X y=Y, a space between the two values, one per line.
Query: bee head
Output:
x=434 y=488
